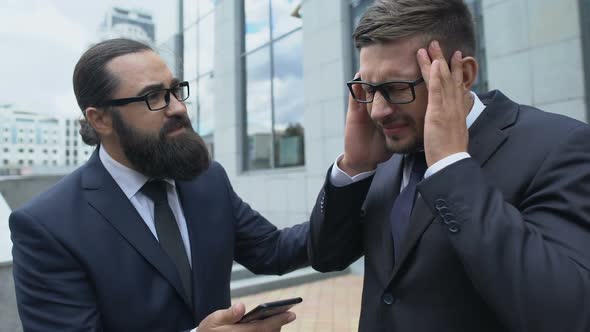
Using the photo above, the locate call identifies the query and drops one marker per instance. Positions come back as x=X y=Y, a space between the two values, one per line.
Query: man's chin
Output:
x=402 y=145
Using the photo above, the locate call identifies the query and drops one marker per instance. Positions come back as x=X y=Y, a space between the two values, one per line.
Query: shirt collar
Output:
x=476 y=110
x=129 y=180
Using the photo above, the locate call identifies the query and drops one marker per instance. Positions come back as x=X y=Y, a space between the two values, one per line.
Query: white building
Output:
x=76 y=152
x=28 y=140
x=134 y=24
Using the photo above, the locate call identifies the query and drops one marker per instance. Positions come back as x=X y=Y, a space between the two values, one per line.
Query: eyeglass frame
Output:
x=379 y=87
x=144 y=98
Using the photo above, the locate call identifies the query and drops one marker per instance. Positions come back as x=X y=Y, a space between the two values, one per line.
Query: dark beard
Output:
x=182 y=157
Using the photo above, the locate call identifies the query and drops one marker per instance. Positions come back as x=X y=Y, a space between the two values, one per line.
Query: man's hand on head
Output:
x=445 y=128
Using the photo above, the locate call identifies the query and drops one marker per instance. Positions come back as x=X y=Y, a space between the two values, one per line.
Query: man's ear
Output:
x=100 y=120
x=470 y=68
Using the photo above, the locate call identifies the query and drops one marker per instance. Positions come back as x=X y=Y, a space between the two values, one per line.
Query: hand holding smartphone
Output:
x=269 y=309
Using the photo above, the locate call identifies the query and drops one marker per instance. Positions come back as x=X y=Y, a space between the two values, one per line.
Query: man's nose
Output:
x=380 y=107
x=175 y=107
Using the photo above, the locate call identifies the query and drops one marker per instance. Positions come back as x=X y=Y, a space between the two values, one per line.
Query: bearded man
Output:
x=142 y=237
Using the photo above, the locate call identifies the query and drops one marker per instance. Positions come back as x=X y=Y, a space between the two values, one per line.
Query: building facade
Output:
x=268 y=82
x=76 y=152
x=28 y=140
x=134 y=24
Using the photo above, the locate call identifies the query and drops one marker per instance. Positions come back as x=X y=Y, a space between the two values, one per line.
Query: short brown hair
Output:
x=448 y=21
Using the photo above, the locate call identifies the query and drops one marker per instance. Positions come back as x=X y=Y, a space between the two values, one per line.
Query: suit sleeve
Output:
x=530 y=263
x=336 y=236
x=52 y=291
x=260 y=246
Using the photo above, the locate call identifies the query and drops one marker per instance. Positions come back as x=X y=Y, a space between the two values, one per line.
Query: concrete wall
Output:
x=534 y=53
x=19 y=190
x=9 y=321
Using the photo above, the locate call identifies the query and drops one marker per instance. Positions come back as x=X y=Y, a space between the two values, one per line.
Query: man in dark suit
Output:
x=472 y=212
x=143 y=236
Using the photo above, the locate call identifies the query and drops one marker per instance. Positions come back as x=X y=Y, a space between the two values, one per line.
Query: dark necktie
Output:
x=168 y=232
x=402 y=207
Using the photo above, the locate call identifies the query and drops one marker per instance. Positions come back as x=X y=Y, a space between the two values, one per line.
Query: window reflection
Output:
x=199 y=43
x=257 y=25
x=191 y=103
x=189 y=12
x=205 y=105
x=274 y=98
x=190 y=53
x=288 y=100
x=205 y=6
x=282 y=20
x=258 y=108
x=206 y=43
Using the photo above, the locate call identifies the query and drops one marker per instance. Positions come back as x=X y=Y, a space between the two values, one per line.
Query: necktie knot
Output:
x=156 y=191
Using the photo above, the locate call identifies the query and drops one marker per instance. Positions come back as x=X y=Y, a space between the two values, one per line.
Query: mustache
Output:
x=178 y=121
x=397 y=118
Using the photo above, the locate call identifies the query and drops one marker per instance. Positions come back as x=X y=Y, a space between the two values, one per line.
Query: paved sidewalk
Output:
x=330 y=305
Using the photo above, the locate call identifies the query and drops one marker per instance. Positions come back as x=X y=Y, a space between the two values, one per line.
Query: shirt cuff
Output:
x=194 y=330
x=439 y=165
x=340 y=179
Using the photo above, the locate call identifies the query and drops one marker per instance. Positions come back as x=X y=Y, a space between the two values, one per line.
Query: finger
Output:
x=424 y=62
x=436 y=53
x=434 y=88
x=227 y=316
x=457 y=67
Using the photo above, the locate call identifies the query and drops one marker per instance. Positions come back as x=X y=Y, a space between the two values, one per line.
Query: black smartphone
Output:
x=269 y=309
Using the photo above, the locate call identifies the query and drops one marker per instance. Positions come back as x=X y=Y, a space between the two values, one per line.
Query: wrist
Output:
x=352 y=169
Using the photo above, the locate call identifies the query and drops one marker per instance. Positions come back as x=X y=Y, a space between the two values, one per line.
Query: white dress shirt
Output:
x=339 y=178
x=131 y=181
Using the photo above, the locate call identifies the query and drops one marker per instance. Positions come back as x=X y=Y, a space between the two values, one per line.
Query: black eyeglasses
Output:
x=395 y=92
x=157 y=99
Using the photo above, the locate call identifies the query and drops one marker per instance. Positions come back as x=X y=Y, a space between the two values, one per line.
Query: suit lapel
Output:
x=486 y=135
x=104 y=195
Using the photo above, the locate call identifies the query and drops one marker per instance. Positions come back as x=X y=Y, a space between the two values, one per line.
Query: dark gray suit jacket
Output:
x=84 y=260
x=496 y=242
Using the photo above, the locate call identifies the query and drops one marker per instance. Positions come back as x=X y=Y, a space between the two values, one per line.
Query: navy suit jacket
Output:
x=496 y=242
x=84 y=260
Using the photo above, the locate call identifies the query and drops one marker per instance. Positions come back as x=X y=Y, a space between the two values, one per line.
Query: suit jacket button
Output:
x=454 y=226
x=363 y=213
x=440 y=203
x=388 y=298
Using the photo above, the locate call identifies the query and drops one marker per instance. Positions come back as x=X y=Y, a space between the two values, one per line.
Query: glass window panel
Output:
x=206 y=46
x=189 y=12
x=191 y=103
x=257 y=23
x=258 y=110
x=206 y=6
x=205 y=105
x=288 y=100
x=282 y=20
x=190 y=53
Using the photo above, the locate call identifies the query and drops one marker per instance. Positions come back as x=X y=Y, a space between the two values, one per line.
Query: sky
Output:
x=43 y=39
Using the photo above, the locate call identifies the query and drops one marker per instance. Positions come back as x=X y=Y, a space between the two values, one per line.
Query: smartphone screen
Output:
x=269 y=309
